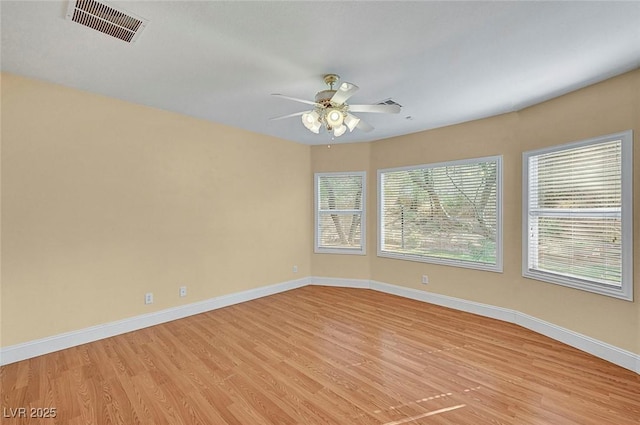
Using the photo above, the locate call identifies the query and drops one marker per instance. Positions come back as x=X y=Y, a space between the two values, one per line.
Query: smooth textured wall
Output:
x=604 y=108
x=103 y=201
x=492 y=136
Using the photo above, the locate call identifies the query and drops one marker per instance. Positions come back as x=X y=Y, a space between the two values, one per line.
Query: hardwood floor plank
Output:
x=324 y=356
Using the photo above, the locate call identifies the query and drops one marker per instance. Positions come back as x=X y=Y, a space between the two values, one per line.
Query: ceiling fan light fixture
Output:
x=334 y=117
x=339 y=131
x=311 y=120
x=315 y=128
x=351 y=121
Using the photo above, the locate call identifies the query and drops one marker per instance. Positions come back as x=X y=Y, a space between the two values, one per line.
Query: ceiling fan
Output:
x=331 y=112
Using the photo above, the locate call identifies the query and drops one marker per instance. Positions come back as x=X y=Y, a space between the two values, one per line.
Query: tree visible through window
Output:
x=340 y=217
x=445 y=213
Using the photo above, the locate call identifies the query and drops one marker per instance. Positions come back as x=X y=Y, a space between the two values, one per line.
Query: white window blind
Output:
x=575 y=217
x=447 y=213
x=340 y=218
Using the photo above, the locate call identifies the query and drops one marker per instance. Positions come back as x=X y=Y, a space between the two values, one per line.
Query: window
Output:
x=447 y=213
x=577 y=215
x=340 y=218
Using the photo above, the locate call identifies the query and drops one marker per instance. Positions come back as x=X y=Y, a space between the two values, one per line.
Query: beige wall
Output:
x=475 y=139
x=103 y=201
x=604 y=108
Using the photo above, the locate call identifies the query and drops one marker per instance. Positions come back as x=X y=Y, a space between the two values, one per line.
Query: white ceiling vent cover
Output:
x=106 y=19
x=389 y=102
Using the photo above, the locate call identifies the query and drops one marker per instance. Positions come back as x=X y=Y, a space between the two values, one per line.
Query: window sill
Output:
x=496 y=268
x=624 y=293
x=345 y=251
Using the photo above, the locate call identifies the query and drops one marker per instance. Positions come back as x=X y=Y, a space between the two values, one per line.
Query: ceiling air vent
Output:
x=389 y=102
x=106 y=19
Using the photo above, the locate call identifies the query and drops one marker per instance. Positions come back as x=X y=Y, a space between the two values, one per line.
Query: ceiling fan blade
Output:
x=383 y=109
x=308 y=102
x=344 y=92
x=295 y=114
x=364 y=126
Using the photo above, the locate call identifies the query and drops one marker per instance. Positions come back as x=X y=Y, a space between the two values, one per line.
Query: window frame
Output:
x=363 y=221
x=497 y=267
x=625 y=292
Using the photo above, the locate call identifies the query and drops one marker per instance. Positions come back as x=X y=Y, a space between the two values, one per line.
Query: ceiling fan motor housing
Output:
x=324 y=97
x=326 y=107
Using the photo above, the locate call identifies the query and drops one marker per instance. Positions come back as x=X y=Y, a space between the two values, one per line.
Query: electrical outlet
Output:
x=295 y=269
x=425 y=279
x=148 y=298
x=183 y=291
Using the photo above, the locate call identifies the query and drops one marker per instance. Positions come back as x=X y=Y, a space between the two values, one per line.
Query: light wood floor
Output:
x=320 y=355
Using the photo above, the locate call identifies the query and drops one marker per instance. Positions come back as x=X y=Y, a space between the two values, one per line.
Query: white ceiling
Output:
x=444 y=62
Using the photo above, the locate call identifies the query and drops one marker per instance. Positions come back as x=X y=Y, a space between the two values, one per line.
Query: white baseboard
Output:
x=603 y=350
x=611 y=353
x=342 y=283
x=58 y=342
x=618 y=356
x=486 y=310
